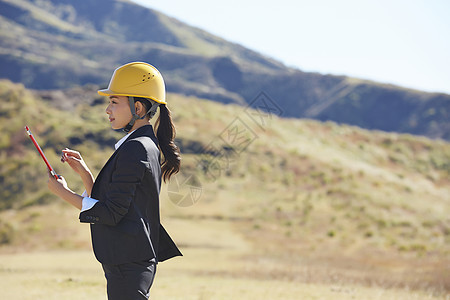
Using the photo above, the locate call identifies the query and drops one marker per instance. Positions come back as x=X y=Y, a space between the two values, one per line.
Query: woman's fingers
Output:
x=70 y=154
x=74 y=159
x=70 y=159
x=73 y=153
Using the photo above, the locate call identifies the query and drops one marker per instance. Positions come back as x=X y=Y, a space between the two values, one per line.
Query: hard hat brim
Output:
x=108 y=92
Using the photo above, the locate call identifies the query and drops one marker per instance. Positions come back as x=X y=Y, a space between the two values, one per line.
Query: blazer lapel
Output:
x=138 y=131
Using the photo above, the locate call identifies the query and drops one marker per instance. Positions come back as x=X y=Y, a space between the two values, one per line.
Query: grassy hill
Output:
x=60 y=43
x=368 y=206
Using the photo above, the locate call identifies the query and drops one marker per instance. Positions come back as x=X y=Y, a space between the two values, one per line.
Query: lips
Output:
x=111 y=119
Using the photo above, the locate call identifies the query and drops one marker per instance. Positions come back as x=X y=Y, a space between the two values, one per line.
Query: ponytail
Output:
x=165 y=133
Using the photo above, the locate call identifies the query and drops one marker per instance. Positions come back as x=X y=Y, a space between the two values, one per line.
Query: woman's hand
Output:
x=59 y=188
x=75 y=161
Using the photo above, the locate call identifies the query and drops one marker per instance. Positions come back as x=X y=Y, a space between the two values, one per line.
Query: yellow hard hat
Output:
x=137 y=79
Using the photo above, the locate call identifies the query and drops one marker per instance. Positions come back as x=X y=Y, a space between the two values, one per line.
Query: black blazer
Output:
x=125 y=223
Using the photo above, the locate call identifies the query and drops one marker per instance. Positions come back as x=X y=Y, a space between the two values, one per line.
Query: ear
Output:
x=139 y=107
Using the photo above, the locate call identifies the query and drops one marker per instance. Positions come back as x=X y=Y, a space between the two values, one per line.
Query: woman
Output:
x=122 y=204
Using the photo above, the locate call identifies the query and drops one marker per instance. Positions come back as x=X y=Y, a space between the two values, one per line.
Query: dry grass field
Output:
x=218 y=263
x=201 y=274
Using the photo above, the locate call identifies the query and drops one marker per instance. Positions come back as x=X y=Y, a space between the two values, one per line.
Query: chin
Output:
x=116 y=126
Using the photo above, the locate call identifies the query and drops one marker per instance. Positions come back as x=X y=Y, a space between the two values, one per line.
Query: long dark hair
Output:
x=165 y=132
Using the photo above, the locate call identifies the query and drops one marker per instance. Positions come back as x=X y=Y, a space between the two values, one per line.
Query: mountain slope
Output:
x=58 y=44
x=330 y=178
x=369 y=200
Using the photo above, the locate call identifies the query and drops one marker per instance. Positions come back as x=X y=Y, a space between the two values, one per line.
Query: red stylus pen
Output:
x=40 y=152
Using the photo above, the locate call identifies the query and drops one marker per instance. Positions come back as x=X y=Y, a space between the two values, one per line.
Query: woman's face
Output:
x=118 y=111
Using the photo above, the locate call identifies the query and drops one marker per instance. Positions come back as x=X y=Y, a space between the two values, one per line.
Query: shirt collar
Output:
x=120 y=142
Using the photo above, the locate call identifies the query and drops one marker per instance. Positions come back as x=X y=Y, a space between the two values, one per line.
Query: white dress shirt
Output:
x=89 y=202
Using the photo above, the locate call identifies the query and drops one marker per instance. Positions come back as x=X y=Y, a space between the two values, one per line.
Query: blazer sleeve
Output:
x=127 y=174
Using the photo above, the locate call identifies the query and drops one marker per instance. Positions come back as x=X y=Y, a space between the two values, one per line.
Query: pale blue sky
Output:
x=398 y=41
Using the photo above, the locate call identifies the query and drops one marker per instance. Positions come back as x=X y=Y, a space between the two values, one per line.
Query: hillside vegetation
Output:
x=366 y=203
x=55 y=44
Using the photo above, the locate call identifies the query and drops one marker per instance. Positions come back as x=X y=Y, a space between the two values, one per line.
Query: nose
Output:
x=108 y=109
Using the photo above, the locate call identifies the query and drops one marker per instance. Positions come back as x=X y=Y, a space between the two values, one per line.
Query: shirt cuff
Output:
x=85 y=194
x=87 y=203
